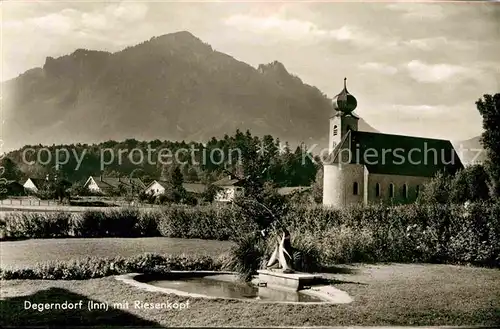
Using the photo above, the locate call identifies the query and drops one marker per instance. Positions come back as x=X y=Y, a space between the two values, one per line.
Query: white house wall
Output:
x=30 y=186
x=92 y=185
x=155 y=189
x=229 y=193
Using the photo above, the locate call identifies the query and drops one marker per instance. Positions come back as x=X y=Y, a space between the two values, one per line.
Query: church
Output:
x=365 y=167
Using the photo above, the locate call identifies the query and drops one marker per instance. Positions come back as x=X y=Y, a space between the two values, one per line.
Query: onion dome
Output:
x=344 y=102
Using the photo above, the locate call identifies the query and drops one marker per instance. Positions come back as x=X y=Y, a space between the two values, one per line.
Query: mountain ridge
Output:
x=173 y=86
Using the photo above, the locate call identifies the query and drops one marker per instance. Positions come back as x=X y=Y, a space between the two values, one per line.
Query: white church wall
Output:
x=413 y=184
x=338 y=184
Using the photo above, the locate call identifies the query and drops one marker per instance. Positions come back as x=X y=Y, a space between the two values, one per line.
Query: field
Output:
x=29 y=252
x=383 y=295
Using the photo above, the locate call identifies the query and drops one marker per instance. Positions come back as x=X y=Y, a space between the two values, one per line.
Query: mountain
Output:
x=470 y=150
x=170 y=87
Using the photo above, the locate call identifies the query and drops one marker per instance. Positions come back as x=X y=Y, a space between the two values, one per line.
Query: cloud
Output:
x=295 y=29
x=423 y=119
x=435 y=73
x=127 y=11
x=67 y=21
x=379 y=68
x=61 y=23
x=429 y=44
x=95 y=21
x=422 y=108
x=419 y=11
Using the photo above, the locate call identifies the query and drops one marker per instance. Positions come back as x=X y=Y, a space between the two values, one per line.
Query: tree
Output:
x=174 y=190
x=470 y=184
x=11 y=171
x=437 y=190
x=489 y=108
x=192 y=174
x=274 y=201
x=210 y=192
x=317 y=188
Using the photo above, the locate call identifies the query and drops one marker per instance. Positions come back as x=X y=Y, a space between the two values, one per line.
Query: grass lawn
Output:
x=393 y=294
x=29 y=252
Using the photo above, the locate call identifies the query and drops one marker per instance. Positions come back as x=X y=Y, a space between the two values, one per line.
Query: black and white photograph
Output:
x=252 y=164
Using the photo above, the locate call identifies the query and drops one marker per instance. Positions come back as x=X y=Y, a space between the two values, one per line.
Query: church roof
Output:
x=397 y=155
x=344 y=102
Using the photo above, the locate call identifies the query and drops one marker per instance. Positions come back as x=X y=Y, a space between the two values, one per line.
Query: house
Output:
x=111 y=185
x=157 y=187
x=34 y=185
x=228 y=189
x=367 y=167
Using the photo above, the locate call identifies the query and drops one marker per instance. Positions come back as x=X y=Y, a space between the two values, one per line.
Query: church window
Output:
x=377 y=190
x=335 y=130
x=355 y=188
x=405 y=191
x=391 y=190
x=417 y=190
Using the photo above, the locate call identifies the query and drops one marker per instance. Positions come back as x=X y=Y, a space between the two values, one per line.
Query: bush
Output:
x=21 y=225
x=92 y=267
x=248 y=255
x=438 y=190
x=218 y=222
x=427 y=232
x=475 y=234
x=306 y=254
x=127 y=222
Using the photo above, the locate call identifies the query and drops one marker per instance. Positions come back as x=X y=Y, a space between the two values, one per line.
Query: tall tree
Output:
x=489 y=108
x=317 y=189
x=174 y=191
x=470 y=184
x=437 y=190
x=10 y=171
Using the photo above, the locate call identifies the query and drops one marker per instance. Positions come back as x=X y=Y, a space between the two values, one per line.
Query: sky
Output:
x=415 y=68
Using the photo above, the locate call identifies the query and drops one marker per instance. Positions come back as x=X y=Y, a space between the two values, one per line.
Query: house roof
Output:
x=197 y=188
x=228 y=181
x=115 y=182
x=38 y=182
x=293 y=190
x=397 y=155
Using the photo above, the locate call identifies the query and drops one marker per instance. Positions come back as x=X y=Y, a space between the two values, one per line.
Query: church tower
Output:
x=342 y=119
x=339 y=175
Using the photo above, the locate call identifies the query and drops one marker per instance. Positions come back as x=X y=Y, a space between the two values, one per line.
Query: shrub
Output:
x=219 y=222
x=113 y=223
x=92 y=267
x=306 y=254
x=425 y=232
x=36 y=225
x=248 y=255
x=344 y=244
x=475 y=233
x=147 y=225
x=438 y=190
